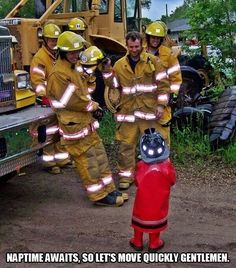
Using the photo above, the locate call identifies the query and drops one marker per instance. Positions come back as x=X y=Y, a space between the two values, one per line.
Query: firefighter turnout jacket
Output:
x=142 y=90
x=171 y=63
x=73 y=106
x=41 y=65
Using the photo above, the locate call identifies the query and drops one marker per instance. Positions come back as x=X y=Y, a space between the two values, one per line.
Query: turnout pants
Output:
x=128 y=135
x=92 y=165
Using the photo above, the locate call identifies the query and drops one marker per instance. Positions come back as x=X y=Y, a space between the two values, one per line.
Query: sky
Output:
x=158 y=8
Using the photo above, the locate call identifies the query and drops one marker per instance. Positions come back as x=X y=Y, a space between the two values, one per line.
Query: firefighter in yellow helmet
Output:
x=78 y=26
x=90 y=62
x=155 y=35
x=168 y=41
x=144 y=96
x=54 y=156
x=73 y=106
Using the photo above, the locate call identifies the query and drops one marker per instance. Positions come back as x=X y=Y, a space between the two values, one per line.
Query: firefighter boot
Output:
x=155 y=242
x=111 y=201
x=53 y=170
x=125 y=196
x=137 y=241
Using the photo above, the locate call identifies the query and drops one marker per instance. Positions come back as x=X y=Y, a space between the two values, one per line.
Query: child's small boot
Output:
x=155 y=242
x=137 y=241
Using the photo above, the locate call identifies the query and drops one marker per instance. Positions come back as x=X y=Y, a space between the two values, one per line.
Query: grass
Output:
x=186 y=144
x=107 y=128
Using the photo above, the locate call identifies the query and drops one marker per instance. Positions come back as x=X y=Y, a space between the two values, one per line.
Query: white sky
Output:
x=158 y=8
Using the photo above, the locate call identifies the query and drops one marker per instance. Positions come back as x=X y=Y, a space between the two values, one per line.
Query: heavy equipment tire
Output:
x=190 y=88
x=222 y=124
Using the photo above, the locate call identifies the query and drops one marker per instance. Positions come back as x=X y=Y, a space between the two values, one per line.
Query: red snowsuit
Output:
x=151 y=203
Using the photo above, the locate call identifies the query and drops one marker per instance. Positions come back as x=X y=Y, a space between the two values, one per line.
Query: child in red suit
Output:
x=155 y=175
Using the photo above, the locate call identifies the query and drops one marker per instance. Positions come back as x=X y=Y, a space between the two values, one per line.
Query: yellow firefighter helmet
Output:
x=76 y=24
x=91 y=56
x=156 y=29
x=51 y=30
x=69 y=41
x=164 y=26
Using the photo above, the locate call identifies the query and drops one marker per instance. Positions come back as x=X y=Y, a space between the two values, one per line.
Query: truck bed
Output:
x=24 y=117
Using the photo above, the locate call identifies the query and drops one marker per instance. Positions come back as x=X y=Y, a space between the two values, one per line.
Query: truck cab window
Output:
x=133 y=15
x=117 y=11
x=104 y=7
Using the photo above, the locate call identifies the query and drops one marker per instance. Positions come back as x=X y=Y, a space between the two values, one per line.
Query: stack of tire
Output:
x=222 y=124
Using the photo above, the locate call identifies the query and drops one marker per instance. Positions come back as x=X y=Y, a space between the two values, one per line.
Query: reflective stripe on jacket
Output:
x=171 y=63
x=142 y=90
x=71 y=102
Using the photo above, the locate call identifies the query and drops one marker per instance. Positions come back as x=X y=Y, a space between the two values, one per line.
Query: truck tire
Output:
x=190 y=88
x=222 y=124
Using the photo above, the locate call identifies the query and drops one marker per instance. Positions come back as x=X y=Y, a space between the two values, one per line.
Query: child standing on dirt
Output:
x=155 y=175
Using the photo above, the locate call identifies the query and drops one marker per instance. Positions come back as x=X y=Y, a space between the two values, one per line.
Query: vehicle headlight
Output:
x=22 y=81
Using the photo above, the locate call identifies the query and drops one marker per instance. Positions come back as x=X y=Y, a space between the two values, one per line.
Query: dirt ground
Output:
x=50 y=213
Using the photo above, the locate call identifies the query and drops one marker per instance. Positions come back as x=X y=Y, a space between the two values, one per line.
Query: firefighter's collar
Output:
x=143 y=56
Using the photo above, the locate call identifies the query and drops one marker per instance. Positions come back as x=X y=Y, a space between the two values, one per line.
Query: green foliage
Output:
x=17 y=141
x=26 y=12
x=229 y=154
x=146 y=21
x=214 y=92
x=188 y=145
x=214 y=25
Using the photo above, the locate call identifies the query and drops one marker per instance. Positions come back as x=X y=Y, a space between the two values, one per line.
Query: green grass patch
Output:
x=107 y=128
x=186 y=145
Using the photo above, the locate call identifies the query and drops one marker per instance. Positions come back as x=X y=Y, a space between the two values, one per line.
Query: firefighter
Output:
x=54 y=157
x=155 y=36
x=155 y=175
x=144 y=96
x=91 y=62
x=168 y=41
x=78 y=26
x=70 y=100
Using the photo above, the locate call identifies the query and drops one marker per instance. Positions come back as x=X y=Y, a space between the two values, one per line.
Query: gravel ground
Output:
x=46 y=213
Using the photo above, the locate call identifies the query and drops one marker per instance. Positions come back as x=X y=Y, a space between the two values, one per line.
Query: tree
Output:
x=146 y=3
x=214 y=25
x=146 y=21
x=6 y=6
